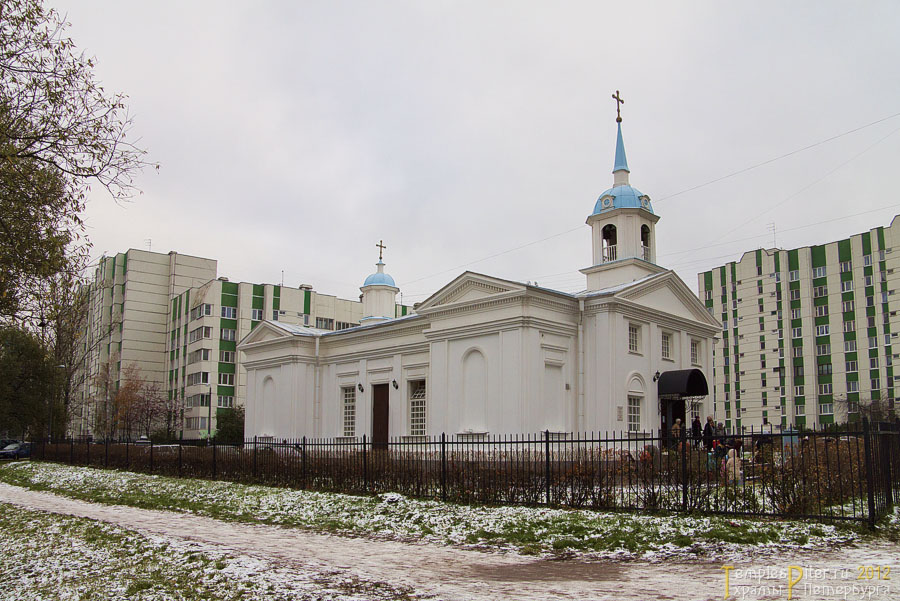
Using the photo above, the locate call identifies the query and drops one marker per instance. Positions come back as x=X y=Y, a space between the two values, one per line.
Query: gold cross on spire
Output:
x=381 y=248
x=619 y=103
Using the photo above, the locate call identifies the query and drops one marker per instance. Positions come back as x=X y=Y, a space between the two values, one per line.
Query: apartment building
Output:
x=807 y=334
x=171 y=316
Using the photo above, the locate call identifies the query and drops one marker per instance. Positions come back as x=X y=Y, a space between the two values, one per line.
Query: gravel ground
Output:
x=441 y=572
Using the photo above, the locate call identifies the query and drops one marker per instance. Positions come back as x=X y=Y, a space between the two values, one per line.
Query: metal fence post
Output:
x=214 y=460
x=303 y=463
x=443 y=466
x=547 y=462
x=886 y=476
x=254 y=455
x=365 y=465
x=71 y=451
x=127 y=458
x=870 y=476
x=180 y=447
x=106 y=453
x=88 y=454
x=151 y=456
x=684 y=470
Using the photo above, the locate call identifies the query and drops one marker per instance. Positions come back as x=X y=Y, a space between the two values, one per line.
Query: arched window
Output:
x=609 y=243
x=645 y=242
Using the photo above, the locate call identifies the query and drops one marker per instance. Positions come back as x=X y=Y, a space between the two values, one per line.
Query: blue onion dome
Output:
x=380 y=278
x=622 y=197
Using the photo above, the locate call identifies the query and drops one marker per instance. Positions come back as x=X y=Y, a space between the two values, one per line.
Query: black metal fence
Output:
x=825 y=474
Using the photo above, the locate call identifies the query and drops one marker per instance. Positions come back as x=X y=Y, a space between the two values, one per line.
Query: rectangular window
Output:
x=799 y=410
x=798 y=371
x=795 y=295
x=348 y=398
x=849 y=346
x=821 y=310
x=200 y=333
x=227 y=334
x=256 y=314
x=797 y=351
x=870 y=301
x=417 y=407
x=226 y=379
x=324 y=323
x=695 y=352
x=634 y=338
x=819 y=272
x=873 y=341
x=634 y=413
x=823 y=349
x=795 y=313
x=849 y=326
x=796 y=332
x=229 y=312
x=794 y=275
x=870 y=280
x=876 y=384
x=853 y=387
x=853 y=406
x=847 y=306
x=847 y=286
x=826 y=408
x=225 y=402
x=798 y=390
x=275 y=315
x=824 y=389
x=198 y=355
x=851 y=366
x=201 y=311
x=873 y=362
x=344 y=325
x=226 y=356
x=867 y=260
x=823 y=369
x=199 y=377
x=822 y=330
x=846 y=266
x=666 y=346
x=820 y=291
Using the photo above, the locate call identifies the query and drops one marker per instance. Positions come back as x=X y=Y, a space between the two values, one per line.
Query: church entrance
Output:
x=675 y=389
x=380 y=413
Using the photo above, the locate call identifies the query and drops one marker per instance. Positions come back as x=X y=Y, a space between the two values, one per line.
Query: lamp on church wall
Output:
x=395 y=385
x=360 y=388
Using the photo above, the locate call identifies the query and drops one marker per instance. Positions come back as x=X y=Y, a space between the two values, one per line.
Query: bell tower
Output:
x=623 y=237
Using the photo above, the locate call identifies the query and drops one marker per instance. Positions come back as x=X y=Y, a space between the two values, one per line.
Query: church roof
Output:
x=379 y=278
x=621 y=197
x=621 y=161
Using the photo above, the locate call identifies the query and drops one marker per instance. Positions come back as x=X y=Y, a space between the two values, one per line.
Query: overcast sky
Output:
x=292 y=136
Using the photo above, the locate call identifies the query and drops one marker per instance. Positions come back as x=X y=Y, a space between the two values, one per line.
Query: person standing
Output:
x=709 y=431
x=696 y=431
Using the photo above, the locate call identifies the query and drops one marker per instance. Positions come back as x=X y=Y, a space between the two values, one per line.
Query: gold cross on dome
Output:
x=380 y=246
x=619 y=103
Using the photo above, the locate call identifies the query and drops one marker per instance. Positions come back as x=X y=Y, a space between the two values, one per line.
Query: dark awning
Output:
x=682 y=383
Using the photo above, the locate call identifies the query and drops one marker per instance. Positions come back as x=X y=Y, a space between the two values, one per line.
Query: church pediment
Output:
x=469 y=287
x=265 y=332
x=669 y=294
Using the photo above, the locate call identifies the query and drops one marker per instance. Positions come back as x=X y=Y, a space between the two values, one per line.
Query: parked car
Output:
x=16 y=450
x=142 y=440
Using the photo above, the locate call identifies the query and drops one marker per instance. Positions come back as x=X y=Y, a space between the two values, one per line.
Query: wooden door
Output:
x=380 y=414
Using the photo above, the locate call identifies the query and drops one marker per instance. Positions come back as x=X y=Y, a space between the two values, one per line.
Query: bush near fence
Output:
x=827 y=474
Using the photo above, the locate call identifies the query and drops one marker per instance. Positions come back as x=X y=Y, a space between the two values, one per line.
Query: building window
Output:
x=798 y=390
x=847 y=306
x=344 y=325
x=324 y=323
x=824 y=369
x=256 y=314
x=876 y=384
x=225 y=402
x=851 y=366
x=200 y=333
x=798 y=371
x=201 y=311
x=417 y=406
x=867 y=260
x=819 y=272
x=847 y=286
x=873 y=362
x=849 y=326
x=797 y=351
x=634 y=413
x=228 y=334
x=198 y=355
x=824 y=389
x=796 y=332
x=348 y=398
x=826 y=408
x=695 y=352
x=799 y=410
x=873 y=341
x=852 y=406
x=200 y=377
x=275 y=315
x=795 y=294
x=229 y=312
x=849 y=346
x=820 y=291
x=853 y=386
x=794 y=275
x=226 y=379
x=666 y=346
x=822 y=330
x=823 y=349
x=846 y=266
x=795 y=313
x=634 y=338
x=226 y=356
x=821 y=310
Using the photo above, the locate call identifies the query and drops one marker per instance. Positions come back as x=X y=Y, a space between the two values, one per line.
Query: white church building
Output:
x=485 y=355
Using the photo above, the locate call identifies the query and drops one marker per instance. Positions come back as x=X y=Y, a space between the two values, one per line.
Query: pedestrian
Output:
x=676 y=433
x=734 y=472
x=709 y=431
x=696 y=431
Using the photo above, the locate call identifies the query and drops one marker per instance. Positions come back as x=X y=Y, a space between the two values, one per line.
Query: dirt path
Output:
x=456 y=574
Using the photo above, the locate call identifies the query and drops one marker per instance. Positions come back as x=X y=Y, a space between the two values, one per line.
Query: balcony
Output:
x=645 y=252
x=609 y=253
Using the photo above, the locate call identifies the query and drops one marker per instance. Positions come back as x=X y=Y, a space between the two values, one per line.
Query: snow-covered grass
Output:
x=46 y=557
x=523 y=529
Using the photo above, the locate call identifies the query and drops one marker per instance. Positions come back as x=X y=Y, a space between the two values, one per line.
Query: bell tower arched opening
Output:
x=609 y=243
x=645 y=243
